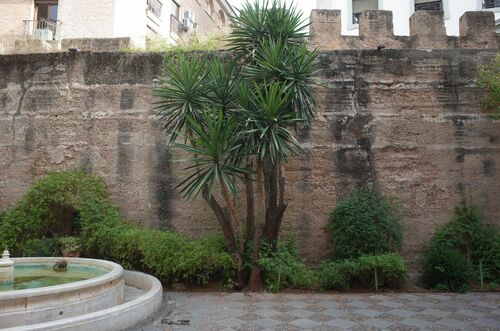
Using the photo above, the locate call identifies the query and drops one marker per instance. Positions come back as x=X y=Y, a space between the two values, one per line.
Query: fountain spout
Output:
x=6 y=269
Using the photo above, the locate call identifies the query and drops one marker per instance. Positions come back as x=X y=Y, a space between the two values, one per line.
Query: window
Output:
x=176 y=9
x=155 y=6
x=491 y=4
x=210 y=7
x=360 y=5
x=46 y=10
x=428 y=5
x=222 y=18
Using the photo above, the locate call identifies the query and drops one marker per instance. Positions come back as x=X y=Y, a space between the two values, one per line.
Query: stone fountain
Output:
x=6 y=269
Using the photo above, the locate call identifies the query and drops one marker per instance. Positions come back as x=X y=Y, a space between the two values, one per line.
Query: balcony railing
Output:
x=155 y=6
x=176 y=26
x=487 y=4
x=42 y=29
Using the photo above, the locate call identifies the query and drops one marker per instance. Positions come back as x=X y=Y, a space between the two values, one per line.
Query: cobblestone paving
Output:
x=318 y=312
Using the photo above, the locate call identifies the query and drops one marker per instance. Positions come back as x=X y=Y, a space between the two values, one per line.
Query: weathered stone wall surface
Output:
x=406 y=120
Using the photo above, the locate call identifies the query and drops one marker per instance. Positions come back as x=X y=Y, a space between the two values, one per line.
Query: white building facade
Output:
x=403 y=9
x=134 y=19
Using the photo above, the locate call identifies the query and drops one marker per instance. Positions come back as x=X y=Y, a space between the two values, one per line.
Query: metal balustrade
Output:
x=42 y=29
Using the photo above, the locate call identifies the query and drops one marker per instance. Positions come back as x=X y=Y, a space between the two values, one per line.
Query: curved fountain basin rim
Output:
x=115 y=272
x=103 y=315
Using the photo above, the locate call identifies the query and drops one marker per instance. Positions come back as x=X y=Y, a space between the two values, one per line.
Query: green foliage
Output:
x=445 y=268
x=37 y=214
x=257 y=23
x=283 y=268
x=169 y=256
x=366 y=223
x=343 y=274
x=477 y=242
x=215 y=146
x=212 y=43
x=70 y=244
x=489 y=79
x=41 y=247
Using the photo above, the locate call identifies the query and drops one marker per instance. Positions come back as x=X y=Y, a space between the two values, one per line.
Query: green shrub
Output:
x=70 y=245
x=366 y=223
x=104 y=234
x=284 y=268
x=489 y=79
x=468 y=234
x=445 y=268
x=343 y=274
x=37 y=214
x=41 y=247
x=334 y=275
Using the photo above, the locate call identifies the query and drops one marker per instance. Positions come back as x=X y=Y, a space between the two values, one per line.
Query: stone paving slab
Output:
x=323 y=312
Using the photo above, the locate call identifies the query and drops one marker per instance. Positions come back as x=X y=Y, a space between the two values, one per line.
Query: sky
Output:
x=305 y=5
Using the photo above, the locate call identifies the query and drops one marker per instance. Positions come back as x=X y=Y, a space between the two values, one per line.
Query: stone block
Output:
x=427 y=30
x=478 y=24
x=376 y=24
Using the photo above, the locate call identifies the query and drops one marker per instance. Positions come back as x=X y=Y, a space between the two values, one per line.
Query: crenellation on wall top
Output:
x=427 y=31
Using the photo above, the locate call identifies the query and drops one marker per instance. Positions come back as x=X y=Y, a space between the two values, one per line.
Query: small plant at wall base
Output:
x=70 y=246
x=238 y=124
x=462 y=252
x=365 y=223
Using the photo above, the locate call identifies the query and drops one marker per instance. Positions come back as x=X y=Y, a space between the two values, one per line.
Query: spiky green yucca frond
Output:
x=222 y=80
x=269 y=126
x=216 y=150
x=182 y=94
x=269 y=21
x=292 y=65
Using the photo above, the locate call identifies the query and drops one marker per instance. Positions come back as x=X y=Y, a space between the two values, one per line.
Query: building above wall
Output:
x=427 y=31
x=403 y=9
x=44 y=22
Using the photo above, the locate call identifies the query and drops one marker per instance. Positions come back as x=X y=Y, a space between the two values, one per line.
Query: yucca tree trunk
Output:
x=250 y=220
x=276 y=206
x=224 y=219
x=255 y=282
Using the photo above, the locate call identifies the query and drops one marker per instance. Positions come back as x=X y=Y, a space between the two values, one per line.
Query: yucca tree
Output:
x=239 y=121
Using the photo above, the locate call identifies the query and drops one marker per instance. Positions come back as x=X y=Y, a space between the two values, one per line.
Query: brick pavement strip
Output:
x=321 y=312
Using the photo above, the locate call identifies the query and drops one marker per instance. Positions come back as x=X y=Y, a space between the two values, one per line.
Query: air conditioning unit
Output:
x=188 y=20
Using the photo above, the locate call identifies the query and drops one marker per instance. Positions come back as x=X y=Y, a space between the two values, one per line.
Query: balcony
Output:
x=42 y=29
x=176 y=28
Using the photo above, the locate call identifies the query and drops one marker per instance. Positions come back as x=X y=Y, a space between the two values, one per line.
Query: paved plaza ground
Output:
x=264 y=312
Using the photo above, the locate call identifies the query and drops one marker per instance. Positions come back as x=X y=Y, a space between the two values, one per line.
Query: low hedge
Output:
x=30 y=228
x=360 y=273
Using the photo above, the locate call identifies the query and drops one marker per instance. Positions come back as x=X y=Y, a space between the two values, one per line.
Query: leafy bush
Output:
x=343 y=274
x=70 y=245
x=458 y=249
x=366 y=223
x=42 y=247
x=445 y=268
x=169 y=256
x=489 y=79
x=334 y=275
x=468 y=234
x=283 y=268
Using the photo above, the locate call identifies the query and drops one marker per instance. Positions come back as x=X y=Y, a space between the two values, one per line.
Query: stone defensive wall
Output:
x=427 y=31
x=402 y=118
